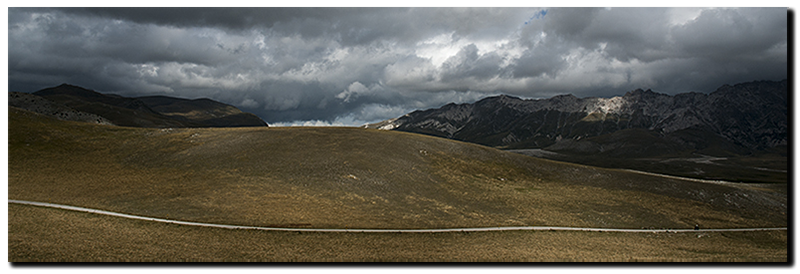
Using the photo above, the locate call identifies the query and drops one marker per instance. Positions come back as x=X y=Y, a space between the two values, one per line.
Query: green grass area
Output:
x=338 y=178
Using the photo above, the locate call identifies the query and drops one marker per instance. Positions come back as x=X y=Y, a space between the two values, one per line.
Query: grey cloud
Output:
x=725 y=33
x=570 y=22
x=468 y=63
x=629 y=33
x=545 y=60
x=350 y=25
x=358 y=64
x=229 y=18
x=410 y=72
x=624 y=33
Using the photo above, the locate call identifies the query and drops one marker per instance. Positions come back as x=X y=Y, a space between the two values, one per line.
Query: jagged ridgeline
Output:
x=748 y=119
x=73 y=103
x=750 y=115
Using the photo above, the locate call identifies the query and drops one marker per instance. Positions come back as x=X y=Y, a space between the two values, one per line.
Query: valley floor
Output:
x=763 y=168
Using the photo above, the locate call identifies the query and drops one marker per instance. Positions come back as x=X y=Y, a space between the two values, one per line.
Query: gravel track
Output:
x=364 y=230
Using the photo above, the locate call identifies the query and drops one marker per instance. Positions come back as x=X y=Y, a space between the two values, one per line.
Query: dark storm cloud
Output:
x=570 y=22
x=544 y=60
x=353 y=65
x=469 y=63
x=228 y=18
x=349 y=25
x=723 y=34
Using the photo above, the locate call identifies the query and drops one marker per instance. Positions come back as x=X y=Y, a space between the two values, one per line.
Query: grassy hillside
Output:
x=40 y=234
x=149 y=111
x=345 y=177
x=644 y=150
x=204 y=112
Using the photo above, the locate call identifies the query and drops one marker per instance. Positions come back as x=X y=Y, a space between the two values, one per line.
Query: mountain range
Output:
x=68 y=102
x=743 y=119
x=750 y=115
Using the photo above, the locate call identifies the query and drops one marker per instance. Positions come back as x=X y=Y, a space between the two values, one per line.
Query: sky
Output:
x=350 y=66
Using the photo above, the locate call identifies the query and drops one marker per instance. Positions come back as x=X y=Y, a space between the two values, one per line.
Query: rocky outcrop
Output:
x=43 y=106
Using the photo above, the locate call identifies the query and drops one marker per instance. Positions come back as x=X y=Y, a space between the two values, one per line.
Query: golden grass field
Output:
x=42 y=234
x=353 y=178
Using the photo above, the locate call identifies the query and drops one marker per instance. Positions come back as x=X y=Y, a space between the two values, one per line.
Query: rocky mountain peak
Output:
x=640 y=94
x=748 y=115
x=563 y=97
x=67 y=89
x=499 y=99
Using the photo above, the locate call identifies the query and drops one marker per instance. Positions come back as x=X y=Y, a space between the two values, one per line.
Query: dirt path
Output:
x=360 y=230
x=719 y=182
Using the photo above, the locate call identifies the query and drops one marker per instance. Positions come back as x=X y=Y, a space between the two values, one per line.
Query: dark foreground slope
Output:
x=149 y=111
x=334 y=177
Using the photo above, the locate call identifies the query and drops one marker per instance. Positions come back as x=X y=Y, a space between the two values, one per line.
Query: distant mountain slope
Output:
x=750 y=115
x=40 y=105
x=204 y=111
x=120 y=110
x=734 y=120
x=152 y=111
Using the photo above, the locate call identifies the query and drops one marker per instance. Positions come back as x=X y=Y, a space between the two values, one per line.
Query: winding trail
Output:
x=362 y=230
x=719 y=182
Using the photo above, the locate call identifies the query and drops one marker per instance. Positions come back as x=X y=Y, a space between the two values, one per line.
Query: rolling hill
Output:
x=355 y=174
x=336 y=178
x=202 y=111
